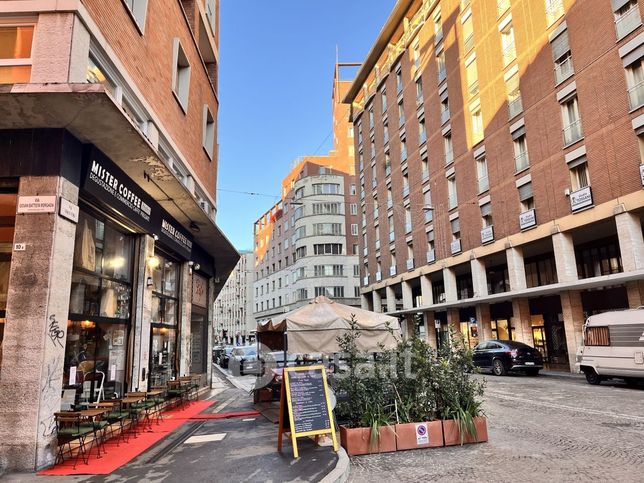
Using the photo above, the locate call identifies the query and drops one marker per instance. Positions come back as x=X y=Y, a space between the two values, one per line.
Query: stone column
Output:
x=430 y=330
x=407 y=326
x=635 y=293
x=573 y=315
x=479 y=278
x=142 y=315
x=521 y=321
x=407 y=295
x=449 y=281
x=185 y=316
x=453 y=320
x=426 y=290
x=364 y=302
x=484 y=321
x=391 y=299
x=377 y=301
x=33 y=349
x=565 y=261
x=209 y=329
x=631 y=241
x=516 y=268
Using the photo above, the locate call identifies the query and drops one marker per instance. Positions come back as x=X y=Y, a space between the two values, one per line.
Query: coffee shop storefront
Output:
x=102 y=291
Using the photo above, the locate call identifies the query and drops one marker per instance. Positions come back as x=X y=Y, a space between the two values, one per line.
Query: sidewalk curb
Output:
x=340 y=473
x=562 y=375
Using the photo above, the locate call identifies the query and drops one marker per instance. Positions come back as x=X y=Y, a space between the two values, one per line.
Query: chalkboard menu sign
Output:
x=305 y=409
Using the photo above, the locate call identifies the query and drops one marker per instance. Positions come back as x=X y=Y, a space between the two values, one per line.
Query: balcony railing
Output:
x=502 y=6
x=509 y=53
x=442 y=74
x=521 y=161
x=554 y=10
x=468 y=43
x=473 y=88
x=628 y=22
x=573 y=132
x=444 y=116
x=563 y=70
x=484 y=183
x=410 y=264
x=431 y=256
x=636 y=95
x=449 y=157
x=392 y=270
x=515 y=106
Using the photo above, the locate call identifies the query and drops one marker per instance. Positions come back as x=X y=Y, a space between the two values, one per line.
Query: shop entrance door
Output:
x=556 y=341
x=198 y=340
x=539 y=337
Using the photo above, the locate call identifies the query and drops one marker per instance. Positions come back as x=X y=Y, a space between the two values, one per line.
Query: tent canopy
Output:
x=316 y=326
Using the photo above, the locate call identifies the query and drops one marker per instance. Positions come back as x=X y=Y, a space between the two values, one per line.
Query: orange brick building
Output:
x=110 y=255
x=499 y=149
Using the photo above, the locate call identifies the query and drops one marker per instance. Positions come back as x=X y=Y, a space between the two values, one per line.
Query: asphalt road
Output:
x=555 y=429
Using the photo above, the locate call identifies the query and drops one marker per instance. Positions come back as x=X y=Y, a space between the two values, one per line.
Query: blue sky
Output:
x=275 y=84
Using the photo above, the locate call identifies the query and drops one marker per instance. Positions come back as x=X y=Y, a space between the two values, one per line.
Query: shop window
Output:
x=164 y=319
x=540 y=271
x=15 y=54
x=498 y=279
x=601 y=257
x=99 y=310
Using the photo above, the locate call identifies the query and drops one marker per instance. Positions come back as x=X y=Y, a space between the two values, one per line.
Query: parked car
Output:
x=224 y=357
x=242 y=358
x=613 y=346
x=502 y=356
x=217 y=351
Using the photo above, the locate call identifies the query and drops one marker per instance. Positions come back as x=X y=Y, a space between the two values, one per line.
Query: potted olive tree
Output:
x=416 y=424
x=459 y=401
x=365 y=400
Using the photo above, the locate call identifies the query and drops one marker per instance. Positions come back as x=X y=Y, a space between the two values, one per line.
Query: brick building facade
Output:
x=498 y=145
x=110 y=256
x=306 y=245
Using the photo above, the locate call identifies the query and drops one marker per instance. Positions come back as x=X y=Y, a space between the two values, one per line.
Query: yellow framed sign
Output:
x=305 y=407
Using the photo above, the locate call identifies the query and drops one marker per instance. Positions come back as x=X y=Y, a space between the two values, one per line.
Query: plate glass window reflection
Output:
x=165 y=306
x=99 y=310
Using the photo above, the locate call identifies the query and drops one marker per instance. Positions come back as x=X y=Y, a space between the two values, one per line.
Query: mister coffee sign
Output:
x=108 y=183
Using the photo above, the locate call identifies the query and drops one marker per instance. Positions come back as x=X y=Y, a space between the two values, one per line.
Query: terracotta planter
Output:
x=413 y=435
x=452 y=434
x=357 y=441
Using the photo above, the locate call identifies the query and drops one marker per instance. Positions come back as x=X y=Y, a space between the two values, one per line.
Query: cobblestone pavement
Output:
x=540 y=429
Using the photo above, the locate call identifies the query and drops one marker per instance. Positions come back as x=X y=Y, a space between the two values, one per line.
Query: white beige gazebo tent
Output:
x=315 y=327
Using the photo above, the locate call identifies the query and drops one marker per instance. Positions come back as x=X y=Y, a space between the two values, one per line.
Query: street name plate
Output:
x=36 y=204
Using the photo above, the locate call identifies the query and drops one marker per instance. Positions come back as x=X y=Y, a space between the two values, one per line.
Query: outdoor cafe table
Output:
x=126 y=402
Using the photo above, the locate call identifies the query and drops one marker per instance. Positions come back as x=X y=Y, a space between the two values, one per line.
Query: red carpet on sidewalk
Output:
x=235 y=414
x=125 y=452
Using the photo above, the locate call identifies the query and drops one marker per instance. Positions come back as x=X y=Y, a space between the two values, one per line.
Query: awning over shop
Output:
x=315 y=327
x=93 y=117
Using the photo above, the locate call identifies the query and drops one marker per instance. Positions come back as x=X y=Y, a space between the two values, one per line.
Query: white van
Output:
x=613 y=346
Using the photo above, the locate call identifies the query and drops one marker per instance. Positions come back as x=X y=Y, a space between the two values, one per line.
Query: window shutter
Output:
x=525 y=192
x=430 y=236
x=486 y=209
x=456 y=225
x=518 y=133
x=560 y=45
